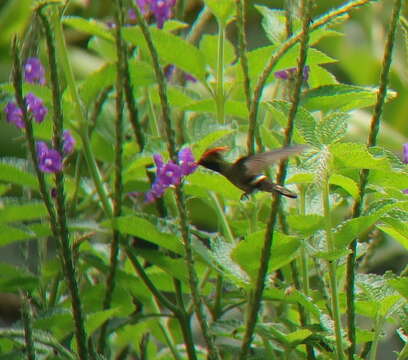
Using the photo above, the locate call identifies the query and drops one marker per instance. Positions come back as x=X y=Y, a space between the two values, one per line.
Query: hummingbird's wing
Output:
x=254 y=164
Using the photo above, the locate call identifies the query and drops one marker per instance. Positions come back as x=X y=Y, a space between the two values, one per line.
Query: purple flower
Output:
x=170 y=174
x=186 y=161
x=132 y=15
x=288 y=74
x=36 y=107
x=14 y=114
x=161 y=9
x=49 y=160
x=34 y=71
x=405 y=153
x=69 y=143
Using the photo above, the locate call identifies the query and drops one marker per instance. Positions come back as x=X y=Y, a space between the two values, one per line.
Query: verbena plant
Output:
x=161 y=259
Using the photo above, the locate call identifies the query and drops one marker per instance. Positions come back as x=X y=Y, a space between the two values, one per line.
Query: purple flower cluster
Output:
x=50 y=160
x=34 y=71
x=290 y=73
x=170 y=174
x=161 y=9
x=35 y=107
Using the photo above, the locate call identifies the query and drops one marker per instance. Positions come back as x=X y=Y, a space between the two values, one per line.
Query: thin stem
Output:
x=256 y=295
x=358 y=205
x=242 y=48
x=220 y=95
x=198 y=25
x=258 y=89
x=66 y=250
x=226 y=230
x=118 y=185
x=376 y=339
x=28 y=328
x=332 y=270
x=186 y=236
x=82 y=125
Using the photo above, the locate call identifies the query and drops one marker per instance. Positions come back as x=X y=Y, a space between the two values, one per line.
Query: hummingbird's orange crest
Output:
x=214 y=150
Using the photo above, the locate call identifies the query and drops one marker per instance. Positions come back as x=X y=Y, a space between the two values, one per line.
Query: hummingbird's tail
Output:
x=268 y=186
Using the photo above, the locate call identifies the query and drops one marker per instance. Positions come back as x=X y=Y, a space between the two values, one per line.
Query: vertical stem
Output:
x=118 y=186
x=220 y=95
x=256 y=296
x=28 y=328
x=242 y=48
x=357 y=208
x=376 y=339
x=65 y=245
x=332 y=270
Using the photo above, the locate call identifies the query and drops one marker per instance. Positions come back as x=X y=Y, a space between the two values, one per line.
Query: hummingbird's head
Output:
x=213 y=159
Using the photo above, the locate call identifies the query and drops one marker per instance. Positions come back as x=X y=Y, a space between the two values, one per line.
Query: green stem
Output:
x=256 y=296
x=377 y=335
x=226 y=230
x=332 y=270
x=358 y=205
x=28 y=328
x=220 y=95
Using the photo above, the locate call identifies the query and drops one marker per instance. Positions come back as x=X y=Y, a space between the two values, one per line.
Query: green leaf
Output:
x=171 y=49
x=223 y=10
x=356 y=156
x=144 y=229
x=273 y=23
x=319 y=76
x=12 y=171
x=19 y=212
x=332 y=128
x=396 y=229
x=209 y=47
x=388 y=177
x=401 y=285
x=306 y=224
x=341 y=97
x=214 y=182
x=174 y=267
x=232 y=107
x=208 y=140
x=97 y=81
x=346 y=183
x=248 y=252
x=13 y=279
x=96 y=319
x=89 y=26
x=106 y=49
x=9 y=235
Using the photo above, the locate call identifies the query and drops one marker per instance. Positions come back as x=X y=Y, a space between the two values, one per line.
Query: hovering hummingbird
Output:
x=246 y=173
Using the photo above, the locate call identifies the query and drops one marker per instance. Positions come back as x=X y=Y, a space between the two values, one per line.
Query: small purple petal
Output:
x=158 y=160
x=49 y=160
x=144 y=6
x=405 y=153
x=14 y=115
x=287 y=74
x=186 y=161
x=34 y=71
x=189 y=77
x=132 y=15
x=161 y=10
x=169 y=71
x=36 y=107
x=170 y=174
x=69 y=143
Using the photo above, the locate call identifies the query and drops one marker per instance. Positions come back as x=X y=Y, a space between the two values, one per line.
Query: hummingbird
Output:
x=246 y=173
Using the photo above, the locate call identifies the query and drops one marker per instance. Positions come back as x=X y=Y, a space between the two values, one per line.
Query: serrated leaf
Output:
x=332 y=255
x=305 y=224
x=12 y=172
x=13 y=279
x=332 y=128
x=319 y=76
x=18 y=212
x=248 y=252
x=346 y=183
x=171 y=49
x=301 y=178
x=144 y=229
x=89 y=26
x=389 y=177
x=273 y=23
x=353 y=155
x=341 y=97
x=96 y=319
x=223 y=10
